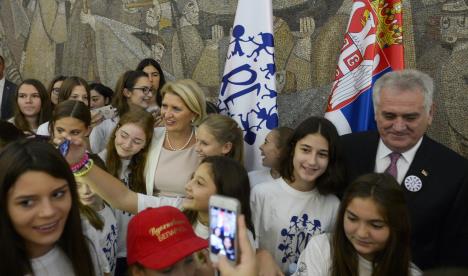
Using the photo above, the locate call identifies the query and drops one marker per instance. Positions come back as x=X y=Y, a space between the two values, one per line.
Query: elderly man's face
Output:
x=401 y=118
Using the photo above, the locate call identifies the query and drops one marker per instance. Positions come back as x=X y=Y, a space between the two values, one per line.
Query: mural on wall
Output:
x=101 y=39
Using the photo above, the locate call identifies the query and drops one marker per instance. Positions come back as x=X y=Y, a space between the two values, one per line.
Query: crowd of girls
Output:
x=71 y=88
x=133 y=89
x=162 y=149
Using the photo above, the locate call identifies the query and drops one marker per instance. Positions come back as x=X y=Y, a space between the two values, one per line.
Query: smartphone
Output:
x=64 y=147
x=107 y=111
x=223 y=227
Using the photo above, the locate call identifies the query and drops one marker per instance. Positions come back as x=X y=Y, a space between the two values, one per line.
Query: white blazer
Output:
x=153 y=158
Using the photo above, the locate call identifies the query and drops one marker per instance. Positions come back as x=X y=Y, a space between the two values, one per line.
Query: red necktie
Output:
x=392 y=168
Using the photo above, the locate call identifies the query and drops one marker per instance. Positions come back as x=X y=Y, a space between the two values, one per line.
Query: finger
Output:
x=224 y=266
x=57 y=141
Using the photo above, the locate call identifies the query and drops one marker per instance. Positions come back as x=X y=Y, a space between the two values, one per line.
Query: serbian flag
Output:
x=373 y=46
x=247 y=91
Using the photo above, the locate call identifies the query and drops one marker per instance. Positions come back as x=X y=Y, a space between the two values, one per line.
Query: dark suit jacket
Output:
x=8 y=100
x=439 y=211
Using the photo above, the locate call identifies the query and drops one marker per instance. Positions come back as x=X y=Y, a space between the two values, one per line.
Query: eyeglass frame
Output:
x=55 y=90
x=145 y=90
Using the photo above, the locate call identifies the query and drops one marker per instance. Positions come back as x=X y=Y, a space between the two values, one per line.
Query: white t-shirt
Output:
x=122 y=217
x=100 y=135
x=43 y=129
x=285 y=219
x=260 y=176
x=316 y=260
x=53 y=263
x=101 y=265
x=109 y=236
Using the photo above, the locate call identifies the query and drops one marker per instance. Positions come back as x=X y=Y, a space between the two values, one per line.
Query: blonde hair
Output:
x=226 y=130
x=192 y=95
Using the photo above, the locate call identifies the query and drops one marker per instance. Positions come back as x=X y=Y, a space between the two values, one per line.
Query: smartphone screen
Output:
x=223 y=232
x=64 y=147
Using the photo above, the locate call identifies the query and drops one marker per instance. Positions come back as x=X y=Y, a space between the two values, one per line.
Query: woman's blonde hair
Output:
x=192 y=95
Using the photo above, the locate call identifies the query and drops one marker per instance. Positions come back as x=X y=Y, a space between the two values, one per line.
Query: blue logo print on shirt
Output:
x=296 y=237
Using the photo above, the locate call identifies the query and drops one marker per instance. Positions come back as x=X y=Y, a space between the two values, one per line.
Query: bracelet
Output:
x=76 y=167
x=85 y=169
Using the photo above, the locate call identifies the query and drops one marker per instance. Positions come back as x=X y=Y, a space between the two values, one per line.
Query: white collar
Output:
x=383 y=151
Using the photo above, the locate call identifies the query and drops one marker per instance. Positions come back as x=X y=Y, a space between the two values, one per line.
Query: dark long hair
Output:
x=231 y=180
x=126 y=81
x=33 y=155
x=395 y=258
x=46 y=106
x=333 y=177
x=69 y=84
x=145 y=121
x=162 y=80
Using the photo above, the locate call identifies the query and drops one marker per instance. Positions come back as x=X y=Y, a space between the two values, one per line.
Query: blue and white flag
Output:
x=248 y=90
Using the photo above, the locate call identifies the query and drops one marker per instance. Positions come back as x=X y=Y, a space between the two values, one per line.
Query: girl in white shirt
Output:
x=72 y=119
x=125 y=157
x=102 y=215
x=41 y=227
x=289 y=210
x=372 y=234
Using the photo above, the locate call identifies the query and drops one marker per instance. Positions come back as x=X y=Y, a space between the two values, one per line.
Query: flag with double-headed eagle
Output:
x=248 y=91
x=373 y=46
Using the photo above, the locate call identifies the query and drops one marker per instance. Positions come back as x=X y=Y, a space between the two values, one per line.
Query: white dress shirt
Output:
x=382 y=159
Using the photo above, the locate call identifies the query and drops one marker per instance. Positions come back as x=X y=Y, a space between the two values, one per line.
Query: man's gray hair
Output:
x=407 y=80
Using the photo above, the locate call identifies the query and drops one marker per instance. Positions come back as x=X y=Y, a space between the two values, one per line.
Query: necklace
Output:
x=183 y=147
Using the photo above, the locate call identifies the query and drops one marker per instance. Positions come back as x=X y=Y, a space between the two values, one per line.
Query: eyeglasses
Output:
x=144 y=90
x=55 y=90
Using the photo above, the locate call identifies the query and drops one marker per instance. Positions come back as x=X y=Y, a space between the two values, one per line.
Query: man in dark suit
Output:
x=7 y=94
x=433 y=177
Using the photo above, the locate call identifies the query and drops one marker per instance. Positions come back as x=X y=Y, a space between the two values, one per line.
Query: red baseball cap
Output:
x=160 y=237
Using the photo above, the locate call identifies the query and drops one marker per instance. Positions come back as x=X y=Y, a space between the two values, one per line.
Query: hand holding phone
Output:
x=247 y=265
x=223 y=227
x=107 y=111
